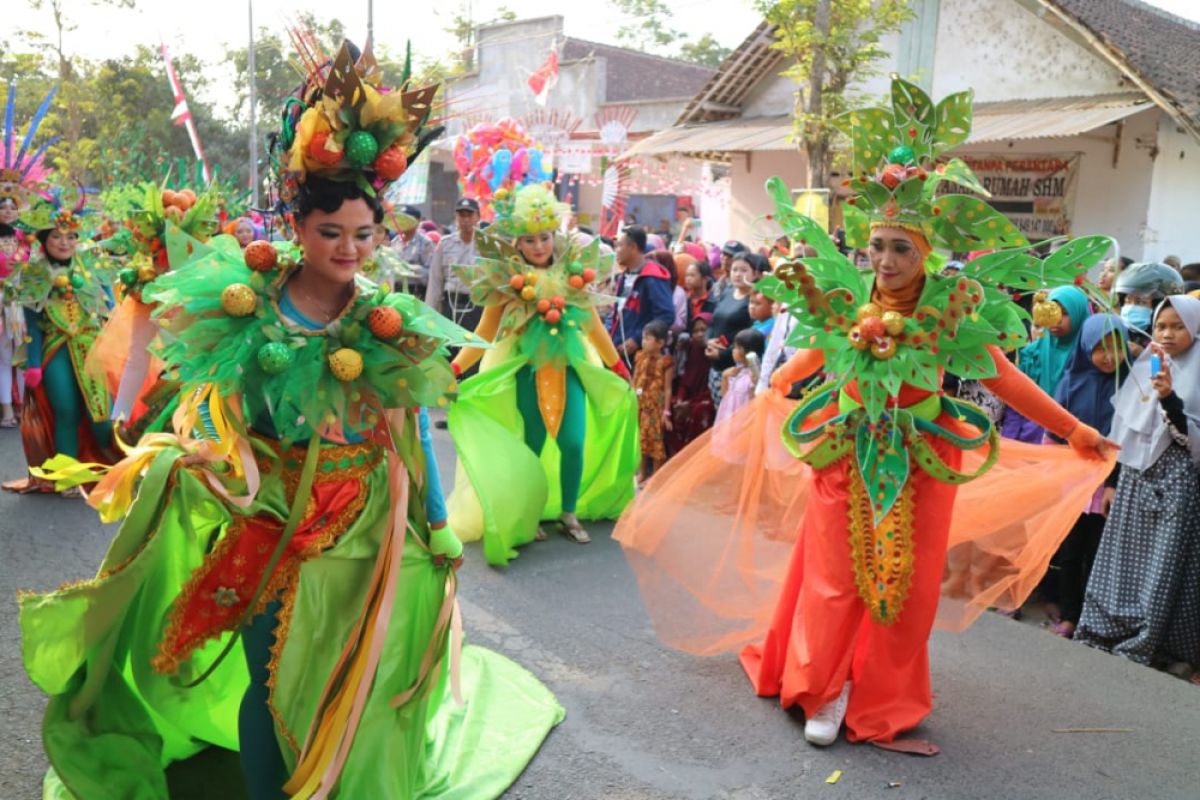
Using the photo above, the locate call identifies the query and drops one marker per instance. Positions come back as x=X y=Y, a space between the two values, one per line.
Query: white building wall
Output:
x=748 y=203
x=1174 y=197
x=1108 y=200
x=1006 y=52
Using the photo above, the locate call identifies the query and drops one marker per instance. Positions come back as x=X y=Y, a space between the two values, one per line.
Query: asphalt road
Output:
x=646 y=723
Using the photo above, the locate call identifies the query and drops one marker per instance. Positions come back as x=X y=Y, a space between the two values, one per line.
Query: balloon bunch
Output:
x=492 y=160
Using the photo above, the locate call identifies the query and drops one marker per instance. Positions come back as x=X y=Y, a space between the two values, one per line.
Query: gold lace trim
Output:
x=882 y=555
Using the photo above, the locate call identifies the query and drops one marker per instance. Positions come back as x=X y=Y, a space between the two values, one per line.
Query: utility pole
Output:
x=370 y=23
x=250 y=68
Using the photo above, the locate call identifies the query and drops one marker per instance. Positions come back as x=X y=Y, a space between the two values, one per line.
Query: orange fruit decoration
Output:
x=576 y=282
x=317 y=151
x=260 y=256
x=517 y=282
x=187 y=197
x=390 y=164
x=173 y=212
x=385 y=322
x=168 y=198
x=543 y=306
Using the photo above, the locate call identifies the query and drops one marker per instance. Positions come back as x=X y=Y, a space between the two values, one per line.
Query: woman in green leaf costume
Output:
x=879 y=452
x=283 y=581
x=552 y=402
x=66 y=297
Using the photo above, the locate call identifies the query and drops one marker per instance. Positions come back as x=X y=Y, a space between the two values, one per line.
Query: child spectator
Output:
x=738 y=381
x=1096 y=370
x=692 y=409
x=762 y=313
x=652 y=373
x=1045 y=359
x=1143 y=598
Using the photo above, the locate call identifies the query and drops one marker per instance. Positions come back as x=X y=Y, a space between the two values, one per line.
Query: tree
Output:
x=647 y=25
x=831 y=44
x=706 y=51
x=462 y=27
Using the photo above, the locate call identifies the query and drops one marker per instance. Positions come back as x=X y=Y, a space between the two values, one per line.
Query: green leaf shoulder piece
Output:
x=223 y=325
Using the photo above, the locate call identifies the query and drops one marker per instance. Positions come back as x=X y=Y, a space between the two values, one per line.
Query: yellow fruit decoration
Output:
x=528 y=293
x=238 y=300
x=147 y=273
x=61 y=281
x=883 y=349
x=893 y=323
x=868 y=310
x=345 y=364
x=1046 y=312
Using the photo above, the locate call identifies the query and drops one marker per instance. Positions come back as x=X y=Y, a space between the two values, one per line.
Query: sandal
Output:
x=28 y=486
x=541 y=534
x=1064 y=629
x=11 y=422
x=570 y=527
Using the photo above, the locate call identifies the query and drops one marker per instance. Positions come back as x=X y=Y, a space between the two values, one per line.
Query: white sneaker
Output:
x=825 y=725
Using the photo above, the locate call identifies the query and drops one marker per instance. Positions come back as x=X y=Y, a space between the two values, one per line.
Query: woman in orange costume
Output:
x=844 y=633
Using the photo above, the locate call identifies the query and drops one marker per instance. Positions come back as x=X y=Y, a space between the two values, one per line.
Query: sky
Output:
x=104 y=32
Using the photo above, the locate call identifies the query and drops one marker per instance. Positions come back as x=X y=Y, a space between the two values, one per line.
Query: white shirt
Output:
x=777 y=353
x=451 y=251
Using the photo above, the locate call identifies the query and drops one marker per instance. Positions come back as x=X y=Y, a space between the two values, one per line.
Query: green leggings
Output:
x=570 y=434
x=58 y=376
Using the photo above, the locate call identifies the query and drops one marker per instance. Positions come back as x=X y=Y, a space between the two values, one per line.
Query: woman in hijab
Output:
x=1045 y=360
x=1096 y=370
x=1143 y=598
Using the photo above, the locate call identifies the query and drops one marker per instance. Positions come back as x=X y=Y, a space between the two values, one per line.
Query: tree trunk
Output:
x=816 y=137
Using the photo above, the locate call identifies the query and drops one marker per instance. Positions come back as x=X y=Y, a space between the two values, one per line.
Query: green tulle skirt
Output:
x=501 y=489
x=114 y=723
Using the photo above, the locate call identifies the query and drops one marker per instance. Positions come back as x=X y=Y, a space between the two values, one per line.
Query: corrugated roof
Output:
x=1007 y=121
x=1160 y=50
x=739 y=73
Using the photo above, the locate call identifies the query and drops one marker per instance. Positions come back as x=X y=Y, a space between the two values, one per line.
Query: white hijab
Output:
x=1138 y=425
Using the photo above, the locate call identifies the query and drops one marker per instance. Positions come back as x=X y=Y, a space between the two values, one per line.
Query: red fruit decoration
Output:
x=260 y=256
x=391 y=164
x=589 y=275
x=558 y=302
x=553 y=316
x=385 y=322
x=872 y=328
x=543 y=306
x=893 y=175
x=316 y=149
x=576 y=281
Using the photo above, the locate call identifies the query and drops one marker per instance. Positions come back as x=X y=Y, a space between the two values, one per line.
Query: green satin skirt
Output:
x=114 y=722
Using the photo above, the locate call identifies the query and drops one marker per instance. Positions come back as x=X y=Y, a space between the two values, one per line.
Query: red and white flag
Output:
x=181 y=115
x=542 y=81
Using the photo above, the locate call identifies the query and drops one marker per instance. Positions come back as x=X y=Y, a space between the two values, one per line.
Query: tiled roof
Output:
x=633 y=76
x=1161 y=48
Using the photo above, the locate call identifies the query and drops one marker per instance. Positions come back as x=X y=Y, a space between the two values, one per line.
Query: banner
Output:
x=1036 y=190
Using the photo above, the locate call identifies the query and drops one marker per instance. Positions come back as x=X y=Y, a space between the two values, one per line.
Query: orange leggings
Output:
x=821 y=634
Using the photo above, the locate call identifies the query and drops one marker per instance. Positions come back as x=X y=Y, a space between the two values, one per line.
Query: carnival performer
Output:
x=66 y=296
x=14 y=252
x=283 y=579
x=878 y=453
x=165 y=229
x=553 y=376
x=22 y=172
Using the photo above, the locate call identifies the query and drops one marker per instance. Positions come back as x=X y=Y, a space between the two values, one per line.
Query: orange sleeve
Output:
x=804 y=363
x=601 y=340
x=489 y=323
x=1020 y=392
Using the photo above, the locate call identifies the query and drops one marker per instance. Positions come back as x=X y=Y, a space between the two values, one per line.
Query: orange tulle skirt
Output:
x=738 y=546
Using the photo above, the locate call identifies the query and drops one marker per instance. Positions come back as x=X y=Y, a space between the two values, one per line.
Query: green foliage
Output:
x=829 y=46
x=705 y=50
x=647 y=25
